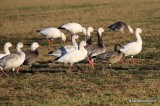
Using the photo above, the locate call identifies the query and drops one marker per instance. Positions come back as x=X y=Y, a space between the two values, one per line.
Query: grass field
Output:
x=19 y=19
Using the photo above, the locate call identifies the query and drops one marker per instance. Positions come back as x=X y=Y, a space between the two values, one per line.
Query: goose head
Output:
x=90 y=29
x=100 y=30
x=20 y=45
x=34 y=46
x=63 y=36
x=83 y=44
x=138 y=30
x=75 y=36
x=8 y=44
x=117 y=47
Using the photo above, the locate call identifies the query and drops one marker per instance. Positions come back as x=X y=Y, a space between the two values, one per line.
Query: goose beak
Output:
x=40 y=46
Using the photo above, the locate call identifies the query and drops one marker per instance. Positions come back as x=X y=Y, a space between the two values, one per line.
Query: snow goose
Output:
x=74 y=56
x=89 y=37
x=6 y=49
x=120 y=27
x=96 y=49
x=13 y=61
x=65 y=49
x=32 y=55
x=52 y=33
x=73 y=28
x=133 y=48
x=111 y=57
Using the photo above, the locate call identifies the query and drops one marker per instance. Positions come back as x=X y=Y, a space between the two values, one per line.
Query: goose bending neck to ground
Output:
x=32 y=55
x=13 y=61
x=74 y=56
x=52 y=33
x=120 y=27
x=133 y=48
x=6 y=49
x=111 y=57
x=96 y=49
x=65 y=49
x=73 y=28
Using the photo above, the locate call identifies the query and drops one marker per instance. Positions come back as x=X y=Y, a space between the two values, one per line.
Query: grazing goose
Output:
x=6 y=49
x=133 y=48
x=32 y=55
x=89 y=37
x=74 y=56
x=111 y=57
x=13 y=61
x=120 y=27
x=51 y=33
x=96 y=49
x=65 y=49
x=73 y=28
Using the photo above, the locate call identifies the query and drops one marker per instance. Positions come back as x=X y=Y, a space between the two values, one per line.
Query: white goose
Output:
x=74 y=56
x=13 y=61
x=6 y=49
x=133 y=48
x=51 y=33
x=73 y=28
x=65 y=49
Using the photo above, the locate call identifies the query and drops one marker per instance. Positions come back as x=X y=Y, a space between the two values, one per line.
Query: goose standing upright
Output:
x=113 y=56
x=32 y=55
x=120 y=27
x=96 y=49
x=13 y=61
x=74 y=56
x=65 y=49
x=6 y=49
x=52 y=33
x=73 y=28
x=89 y=37
x=133 y=48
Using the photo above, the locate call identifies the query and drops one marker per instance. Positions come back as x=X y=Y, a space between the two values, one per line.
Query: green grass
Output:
x=104 y=87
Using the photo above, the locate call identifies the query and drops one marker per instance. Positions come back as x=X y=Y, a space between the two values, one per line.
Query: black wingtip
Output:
x=50 y=52
x=61 y=28
x=38 y=30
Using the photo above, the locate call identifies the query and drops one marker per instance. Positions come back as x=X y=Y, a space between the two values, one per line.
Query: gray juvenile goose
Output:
x=120 y=27
x=111 y=57
x=32 y=55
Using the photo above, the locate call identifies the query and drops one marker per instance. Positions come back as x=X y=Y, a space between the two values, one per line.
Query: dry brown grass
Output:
x=51 y=86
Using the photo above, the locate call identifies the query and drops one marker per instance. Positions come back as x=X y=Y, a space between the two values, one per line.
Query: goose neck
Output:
x=100 y=40
x=74 y=43
x=139 y=40
x=6 y=50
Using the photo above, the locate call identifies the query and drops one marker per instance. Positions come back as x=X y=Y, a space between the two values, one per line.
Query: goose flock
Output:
x=73 y=53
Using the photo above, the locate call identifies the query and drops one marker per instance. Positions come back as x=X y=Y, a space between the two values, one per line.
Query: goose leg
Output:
x=69 y=70
x=49 y=42
x=17 y=70
x=90 y=62
x=5 y=73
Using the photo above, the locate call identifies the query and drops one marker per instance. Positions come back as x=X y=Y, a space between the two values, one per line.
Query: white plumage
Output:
x=75 y=55
x=65 y=49
x=52 y=33
x=6 y=49
x=133 y=48
x=73 y=28
x=13 y=61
